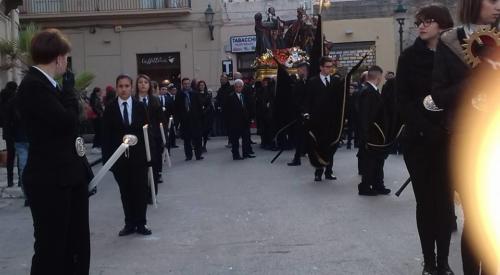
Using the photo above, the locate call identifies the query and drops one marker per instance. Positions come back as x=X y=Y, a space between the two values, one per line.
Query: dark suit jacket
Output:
x=238 y=115
x=190 y=120
x=114 y=130
x=51 y=119
x=373 y=117
x=325 y=107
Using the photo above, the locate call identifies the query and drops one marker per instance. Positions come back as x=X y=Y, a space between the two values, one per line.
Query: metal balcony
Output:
x=33 y=9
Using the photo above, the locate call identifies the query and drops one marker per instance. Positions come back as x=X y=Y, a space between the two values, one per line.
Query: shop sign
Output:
x=243 y=44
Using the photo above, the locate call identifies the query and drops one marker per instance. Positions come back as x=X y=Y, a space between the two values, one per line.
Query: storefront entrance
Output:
x=160 y=66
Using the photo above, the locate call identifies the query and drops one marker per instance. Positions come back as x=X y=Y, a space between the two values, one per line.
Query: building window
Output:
x=46 y=6
x=349 y=54
x=245 y=61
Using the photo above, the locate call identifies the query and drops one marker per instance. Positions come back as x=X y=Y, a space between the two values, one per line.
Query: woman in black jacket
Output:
x=208 y=111
x=98 y=108
x=422 y=142
x=452 y=73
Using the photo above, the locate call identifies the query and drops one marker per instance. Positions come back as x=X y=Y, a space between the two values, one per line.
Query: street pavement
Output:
x=219 y=216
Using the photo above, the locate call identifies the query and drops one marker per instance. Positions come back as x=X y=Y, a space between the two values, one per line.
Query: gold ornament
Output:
x=485 y=37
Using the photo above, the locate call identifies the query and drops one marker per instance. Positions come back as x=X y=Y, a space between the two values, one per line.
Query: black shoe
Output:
x=127 y=230
x=190 y=158
x=330 y=177
x=317 y=178
x=237 y=158
x=248 y=156
x=26 y=203
x=429 y=270
x=294 y=163
x=174 y=146
x=383 y=191
x=10 y=184
x=143 y=230
x=348 y=147
x=367 y=192
x=229 y=146
x=199 y=158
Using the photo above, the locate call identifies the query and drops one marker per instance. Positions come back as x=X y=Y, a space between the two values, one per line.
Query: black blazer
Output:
x=325 y=107
x=238 y=115
x=191 y=121
x=155 y=116
x=51 y=119
x=114 y=130
x=373 y=117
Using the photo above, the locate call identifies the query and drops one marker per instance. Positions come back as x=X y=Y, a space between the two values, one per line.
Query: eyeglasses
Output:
x=426 y=22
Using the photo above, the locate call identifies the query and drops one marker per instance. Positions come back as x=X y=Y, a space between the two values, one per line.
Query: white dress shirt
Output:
x=52 y=81
x=324 y=78
x=129 y=107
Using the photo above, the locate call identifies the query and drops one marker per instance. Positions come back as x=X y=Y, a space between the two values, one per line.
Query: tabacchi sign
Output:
x=243 y=44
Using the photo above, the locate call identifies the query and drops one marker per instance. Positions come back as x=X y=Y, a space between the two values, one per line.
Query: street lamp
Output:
x=209 y=19
x=400 y=12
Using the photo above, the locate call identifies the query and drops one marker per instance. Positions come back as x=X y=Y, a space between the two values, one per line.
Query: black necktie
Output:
x=145 y=101
x=327 y=82
x=125 y=114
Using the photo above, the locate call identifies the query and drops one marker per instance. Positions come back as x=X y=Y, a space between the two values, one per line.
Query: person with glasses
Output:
x=323 y=112
x=422 y=140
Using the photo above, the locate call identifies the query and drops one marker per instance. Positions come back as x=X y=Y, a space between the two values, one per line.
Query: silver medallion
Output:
x=430 y=105
x=80 y=147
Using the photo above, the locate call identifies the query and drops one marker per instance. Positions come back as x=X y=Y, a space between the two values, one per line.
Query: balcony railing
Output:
x=40 y=7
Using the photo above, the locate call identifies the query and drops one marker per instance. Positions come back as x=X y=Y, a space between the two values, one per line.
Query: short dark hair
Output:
x=47 y=45
x=390 y=72
x=469 y=11
x=323 y=60
x=185 y=78
x=439 y=13
x=124 y=76
x=376 y=69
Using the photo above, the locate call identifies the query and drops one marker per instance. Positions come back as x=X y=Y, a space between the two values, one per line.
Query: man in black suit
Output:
x=239 y=116
x=170 y=112
x=55 y=177
x=324 y=112
x=190 y=114
x=299 y=95
x=374 y=125
x=126 y=116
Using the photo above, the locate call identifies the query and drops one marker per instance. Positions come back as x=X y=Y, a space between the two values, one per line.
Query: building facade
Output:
x=9 y=30
x=167 y=39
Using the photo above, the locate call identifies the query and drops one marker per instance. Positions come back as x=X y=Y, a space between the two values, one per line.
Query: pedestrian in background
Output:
x=97 y=105
x=6 y=96
x=208 y=112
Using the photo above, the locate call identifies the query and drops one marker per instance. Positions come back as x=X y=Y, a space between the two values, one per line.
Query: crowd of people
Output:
x=320 y=110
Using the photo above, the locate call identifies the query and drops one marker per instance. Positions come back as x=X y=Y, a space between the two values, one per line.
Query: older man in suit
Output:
x=238 y=110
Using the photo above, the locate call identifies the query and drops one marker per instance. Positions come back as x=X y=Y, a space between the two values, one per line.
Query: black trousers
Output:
x=61 y=225
x=97 y=123
x=134 y=191
x=434 y=196
x=372 y=169
x=172 y=137
x=11 y=156
x=234 y=139
x=300 y=136
x=189 y=143
x=328 y=169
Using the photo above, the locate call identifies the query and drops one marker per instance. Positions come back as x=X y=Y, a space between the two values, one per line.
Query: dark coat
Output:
x=238 y=115
x=114 y=130
x=450 y=76
x=373 y=117
x=208 y=110
x=325 y=105
x=413 y=84
x=190 y=120
x=14 y=126
x=299 y=95
x=51 y=119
